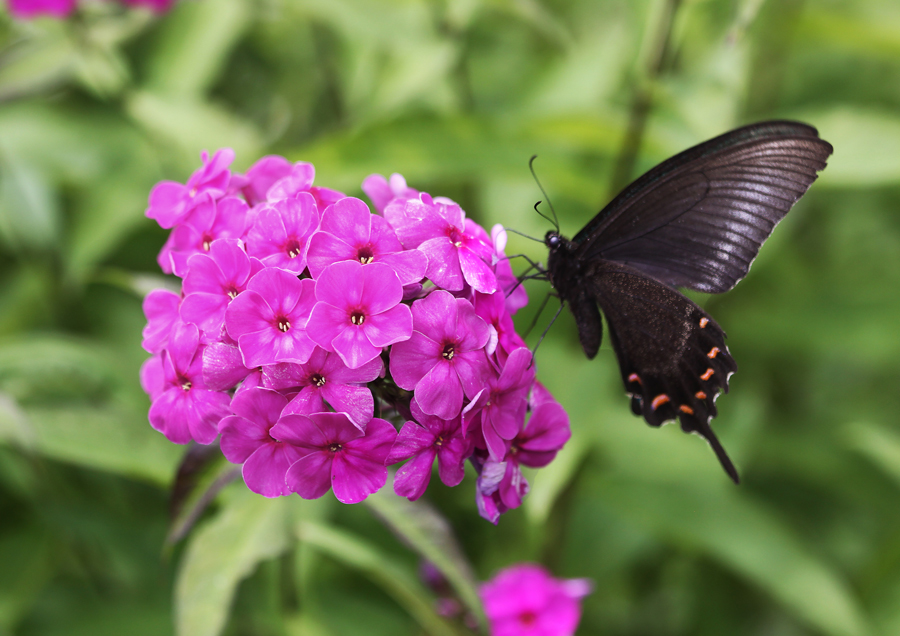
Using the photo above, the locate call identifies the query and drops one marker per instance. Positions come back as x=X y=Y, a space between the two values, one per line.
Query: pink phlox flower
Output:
x=27 y=9
x=247 y=439
x=299 y=178
x=492 y=308
x=358 y=311
x=161 y=309
x=382 y=191
x=262 y=175
x=170 y=202
x=515 y=294
x=499 y=409
x=269 y=319
x=210 y=220
x=336 y=454
x=153 y=377
x=423 y=440
x=325 y=379
x=543 y=437
x=458 y=249
x=186 y=409
x=280 y=232
x=223 y=366
x=444 y=359
x=350 y=232
x=213 y=280
x=157 y=6
x=525 y=600
x=487 y=487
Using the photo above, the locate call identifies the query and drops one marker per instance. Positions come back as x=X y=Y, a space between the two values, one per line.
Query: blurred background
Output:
x=96 y=108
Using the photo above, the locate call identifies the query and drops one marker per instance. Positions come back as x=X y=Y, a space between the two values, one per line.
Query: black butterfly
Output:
x=696 y=220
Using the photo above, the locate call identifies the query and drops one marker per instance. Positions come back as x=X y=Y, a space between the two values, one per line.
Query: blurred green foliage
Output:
x=456 y=95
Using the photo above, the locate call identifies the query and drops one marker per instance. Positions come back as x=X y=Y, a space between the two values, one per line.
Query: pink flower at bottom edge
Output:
x=525 y=600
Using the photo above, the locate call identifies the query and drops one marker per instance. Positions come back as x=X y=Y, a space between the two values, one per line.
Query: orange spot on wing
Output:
x=708 y=374
x=634 y=377
x=713 y=352
x=700 y=395
x=684 y=408
x=703 y=322
x=659 y=400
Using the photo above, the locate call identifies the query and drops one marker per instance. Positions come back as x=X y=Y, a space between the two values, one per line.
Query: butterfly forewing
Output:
x=699 y=219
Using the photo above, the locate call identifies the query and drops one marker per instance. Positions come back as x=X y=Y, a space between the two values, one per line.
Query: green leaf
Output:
x=191 y=126
x=195 y=44
x=359 y=554
x=427 y=532
x=249 y=529
x=28 y=207
x=104 y=439
x=42 y=61
x=748 y=540
x=880 y=445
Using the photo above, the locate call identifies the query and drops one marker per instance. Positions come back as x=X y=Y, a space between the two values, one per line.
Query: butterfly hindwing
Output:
x=671 y=354
x=698 y=219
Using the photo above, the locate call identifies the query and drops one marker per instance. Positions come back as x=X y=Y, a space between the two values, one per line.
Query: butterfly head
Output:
x=553 y=240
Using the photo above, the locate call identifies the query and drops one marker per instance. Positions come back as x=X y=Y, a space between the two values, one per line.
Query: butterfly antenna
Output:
x=554 y=220
x=525 y=235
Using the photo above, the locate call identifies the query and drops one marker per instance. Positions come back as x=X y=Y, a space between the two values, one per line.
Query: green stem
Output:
x=643 y=96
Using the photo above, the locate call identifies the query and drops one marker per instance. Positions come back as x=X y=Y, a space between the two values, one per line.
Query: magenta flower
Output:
x=326 y=379
x=280 y=232
x=213 y=281
x=492 y=308
x=262 y=175
x=153 y=376
x=247 y=439
x=499 y=409
x=170 y=202
x=501 y=486
x=268 y=319
x=185 y=409
x=161 y=309
x=524 y=600
x=543 y=437
x=359 y=311
x=515 y=294
x=444 y=359
x=420 y=442
x=298 y=179
x=336 y=454
x=382 y=191
x=27 y=9
x=458 y=249
x=223 y=366
x=349 y=232
x=208 y=221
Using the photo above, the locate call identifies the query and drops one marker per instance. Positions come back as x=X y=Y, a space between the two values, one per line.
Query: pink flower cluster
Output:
x=525 y=600
x=322 y=342
x=28 y=9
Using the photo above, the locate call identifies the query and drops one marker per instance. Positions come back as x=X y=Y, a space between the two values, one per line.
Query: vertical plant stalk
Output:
x=655 y=56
